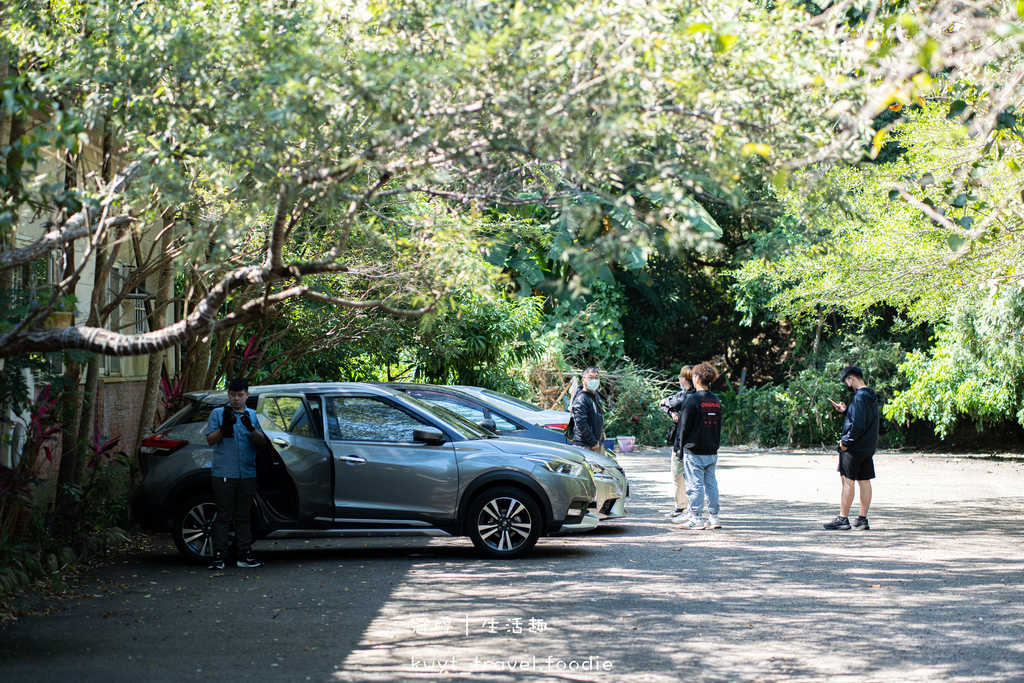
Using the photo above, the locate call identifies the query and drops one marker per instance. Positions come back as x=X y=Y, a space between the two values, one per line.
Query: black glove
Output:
x=227 y=422
x=246 y=421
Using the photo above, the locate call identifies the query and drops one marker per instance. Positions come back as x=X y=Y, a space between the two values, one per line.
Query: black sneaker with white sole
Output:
x=839 y=523
x=861 y=524
x=217 y=563
x=247 y=561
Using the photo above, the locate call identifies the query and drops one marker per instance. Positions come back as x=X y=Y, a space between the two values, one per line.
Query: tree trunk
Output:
x=70 y=397
x=90 y=397
x=156 y=360
x=90 y=393
x=11 y=195
x=220 y=346
x=817 y=336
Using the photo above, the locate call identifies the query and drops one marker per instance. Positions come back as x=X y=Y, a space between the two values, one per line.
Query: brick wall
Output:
x=117 y=414
x=118 y=411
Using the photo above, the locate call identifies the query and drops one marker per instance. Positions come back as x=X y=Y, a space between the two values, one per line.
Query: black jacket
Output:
x=860 y=428
x=673 y=404
x=700 y=424
x=588 y=420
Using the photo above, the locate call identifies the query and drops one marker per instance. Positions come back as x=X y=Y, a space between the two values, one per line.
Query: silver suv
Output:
x=351 y=459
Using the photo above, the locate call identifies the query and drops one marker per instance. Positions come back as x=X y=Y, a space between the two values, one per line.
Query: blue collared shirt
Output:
x=233 y=458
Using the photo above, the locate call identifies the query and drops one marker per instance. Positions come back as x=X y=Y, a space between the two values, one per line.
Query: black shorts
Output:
x=856 y=466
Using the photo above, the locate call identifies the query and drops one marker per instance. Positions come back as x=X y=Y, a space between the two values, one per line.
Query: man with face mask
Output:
x=587 y=415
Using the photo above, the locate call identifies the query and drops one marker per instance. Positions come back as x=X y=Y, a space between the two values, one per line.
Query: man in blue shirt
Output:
x=234 y=434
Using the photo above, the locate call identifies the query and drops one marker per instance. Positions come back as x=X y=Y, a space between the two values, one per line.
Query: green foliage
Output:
x=923 y=236
x=635 y=411
x=587 y=330
x=479 y=341
x=975 y=369
x=883 y=246
x=798 y=412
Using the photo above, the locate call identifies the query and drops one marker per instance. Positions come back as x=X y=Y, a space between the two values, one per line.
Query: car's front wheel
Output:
x=504 y=523
x=193 y=529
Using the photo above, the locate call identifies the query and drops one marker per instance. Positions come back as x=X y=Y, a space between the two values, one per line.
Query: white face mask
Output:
x=593 y=384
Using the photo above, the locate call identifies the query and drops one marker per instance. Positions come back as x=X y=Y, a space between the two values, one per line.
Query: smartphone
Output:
x=834 y=404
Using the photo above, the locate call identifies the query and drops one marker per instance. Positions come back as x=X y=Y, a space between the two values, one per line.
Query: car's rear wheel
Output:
x=504 y=523
x=193 y=529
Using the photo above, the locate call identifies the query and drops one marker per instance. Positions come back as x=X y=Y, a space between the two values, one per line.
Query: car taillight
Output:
x=560 y=427
x=159 y=444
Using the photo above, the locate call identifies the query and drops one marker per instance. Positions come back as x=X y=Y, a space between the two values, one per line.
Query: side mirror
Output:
x=488 y=424
x=429 y=436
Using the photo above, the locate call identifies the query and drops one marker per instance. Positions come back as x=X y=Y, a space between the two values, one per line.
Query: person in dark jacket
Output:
x=673 y=405
x=700 y=434
x=857 y=447
x=587 y=415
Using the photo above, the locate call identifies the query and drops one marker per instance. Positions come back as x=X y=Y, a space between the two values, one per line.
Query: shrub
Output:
x=633 y=395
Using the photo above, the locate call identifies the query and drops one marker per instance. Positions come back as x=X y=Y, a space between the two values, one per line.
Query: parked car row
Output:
x=351 y=459
x=510 y=416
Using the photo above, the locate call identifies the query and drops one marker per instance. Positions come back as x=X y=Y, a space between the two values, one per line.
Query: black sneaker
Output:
x=838 y=523
x=247 y=561
x=861 y=524
x=217 y=563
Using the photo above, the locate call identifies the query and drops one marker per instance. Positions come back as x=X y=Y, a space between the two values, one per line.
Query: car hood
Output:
x=520 y=446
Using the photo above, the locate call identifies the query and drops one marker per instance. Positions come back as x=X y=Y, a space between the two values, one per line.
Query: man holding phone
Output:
x=856 y=448
x=234 y=434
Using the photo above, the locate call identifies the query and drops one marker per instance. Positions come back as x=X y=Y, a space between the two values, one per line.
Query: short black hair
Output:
x=850 y=370
x=590 y=370
x=239 y=384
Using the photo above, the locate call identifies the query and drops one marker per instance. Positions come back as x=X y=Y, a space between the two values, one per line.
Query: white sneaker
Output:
x=713 y=522
x=693 y=523
x=681 y=517
x=675 y=513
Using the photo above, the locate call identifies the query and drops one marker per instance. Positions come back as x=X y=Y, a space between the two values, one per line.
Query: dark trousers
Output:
x=233 y=498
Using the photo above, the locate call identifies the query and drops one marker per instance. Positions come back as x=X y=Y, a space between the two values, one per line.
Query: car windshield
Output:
x=512 y=400
x=466 y=428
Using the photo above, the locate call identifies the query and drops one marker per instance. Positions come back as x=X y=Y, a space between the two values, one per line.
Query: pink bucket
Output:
x=626 y=443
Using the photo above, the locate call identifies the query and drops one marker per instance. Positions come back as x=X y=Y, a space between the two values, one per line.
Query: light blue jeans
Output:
x=700 y=477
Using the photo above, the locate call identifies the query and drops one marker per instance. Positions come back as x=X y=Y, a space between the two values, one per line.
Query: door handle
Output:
x=351 y=458
x=280 y=442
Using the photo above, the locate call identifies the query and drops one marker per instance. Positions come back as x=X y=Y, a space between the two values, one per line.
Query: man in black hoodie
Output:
x=856 y=447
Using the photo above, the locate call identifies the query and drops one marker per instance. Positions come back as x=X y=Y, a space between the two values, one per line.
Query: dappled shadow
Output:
x=930 y=593
x=772 y=596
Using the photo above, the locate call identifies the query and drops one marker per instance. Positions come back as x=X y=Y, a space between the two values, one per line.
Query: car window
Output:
x=471 y=413
x=190 y=414
x=355 y=418
x=502 y=424
x=202 y=414
x=466 y=428
x=289 y=414
x=511 y=400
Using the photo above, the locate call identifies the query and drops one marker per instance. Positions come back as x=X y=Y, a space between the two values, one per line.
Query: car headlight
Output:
x=557 y=465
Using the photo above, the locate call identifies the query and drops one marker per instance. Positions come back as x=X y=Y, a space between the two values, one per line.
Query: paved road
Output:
x=932 y=593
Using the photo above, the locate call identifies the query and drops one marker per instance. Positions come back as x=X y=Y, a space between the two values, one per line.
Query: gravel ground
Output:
x=931 y=593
